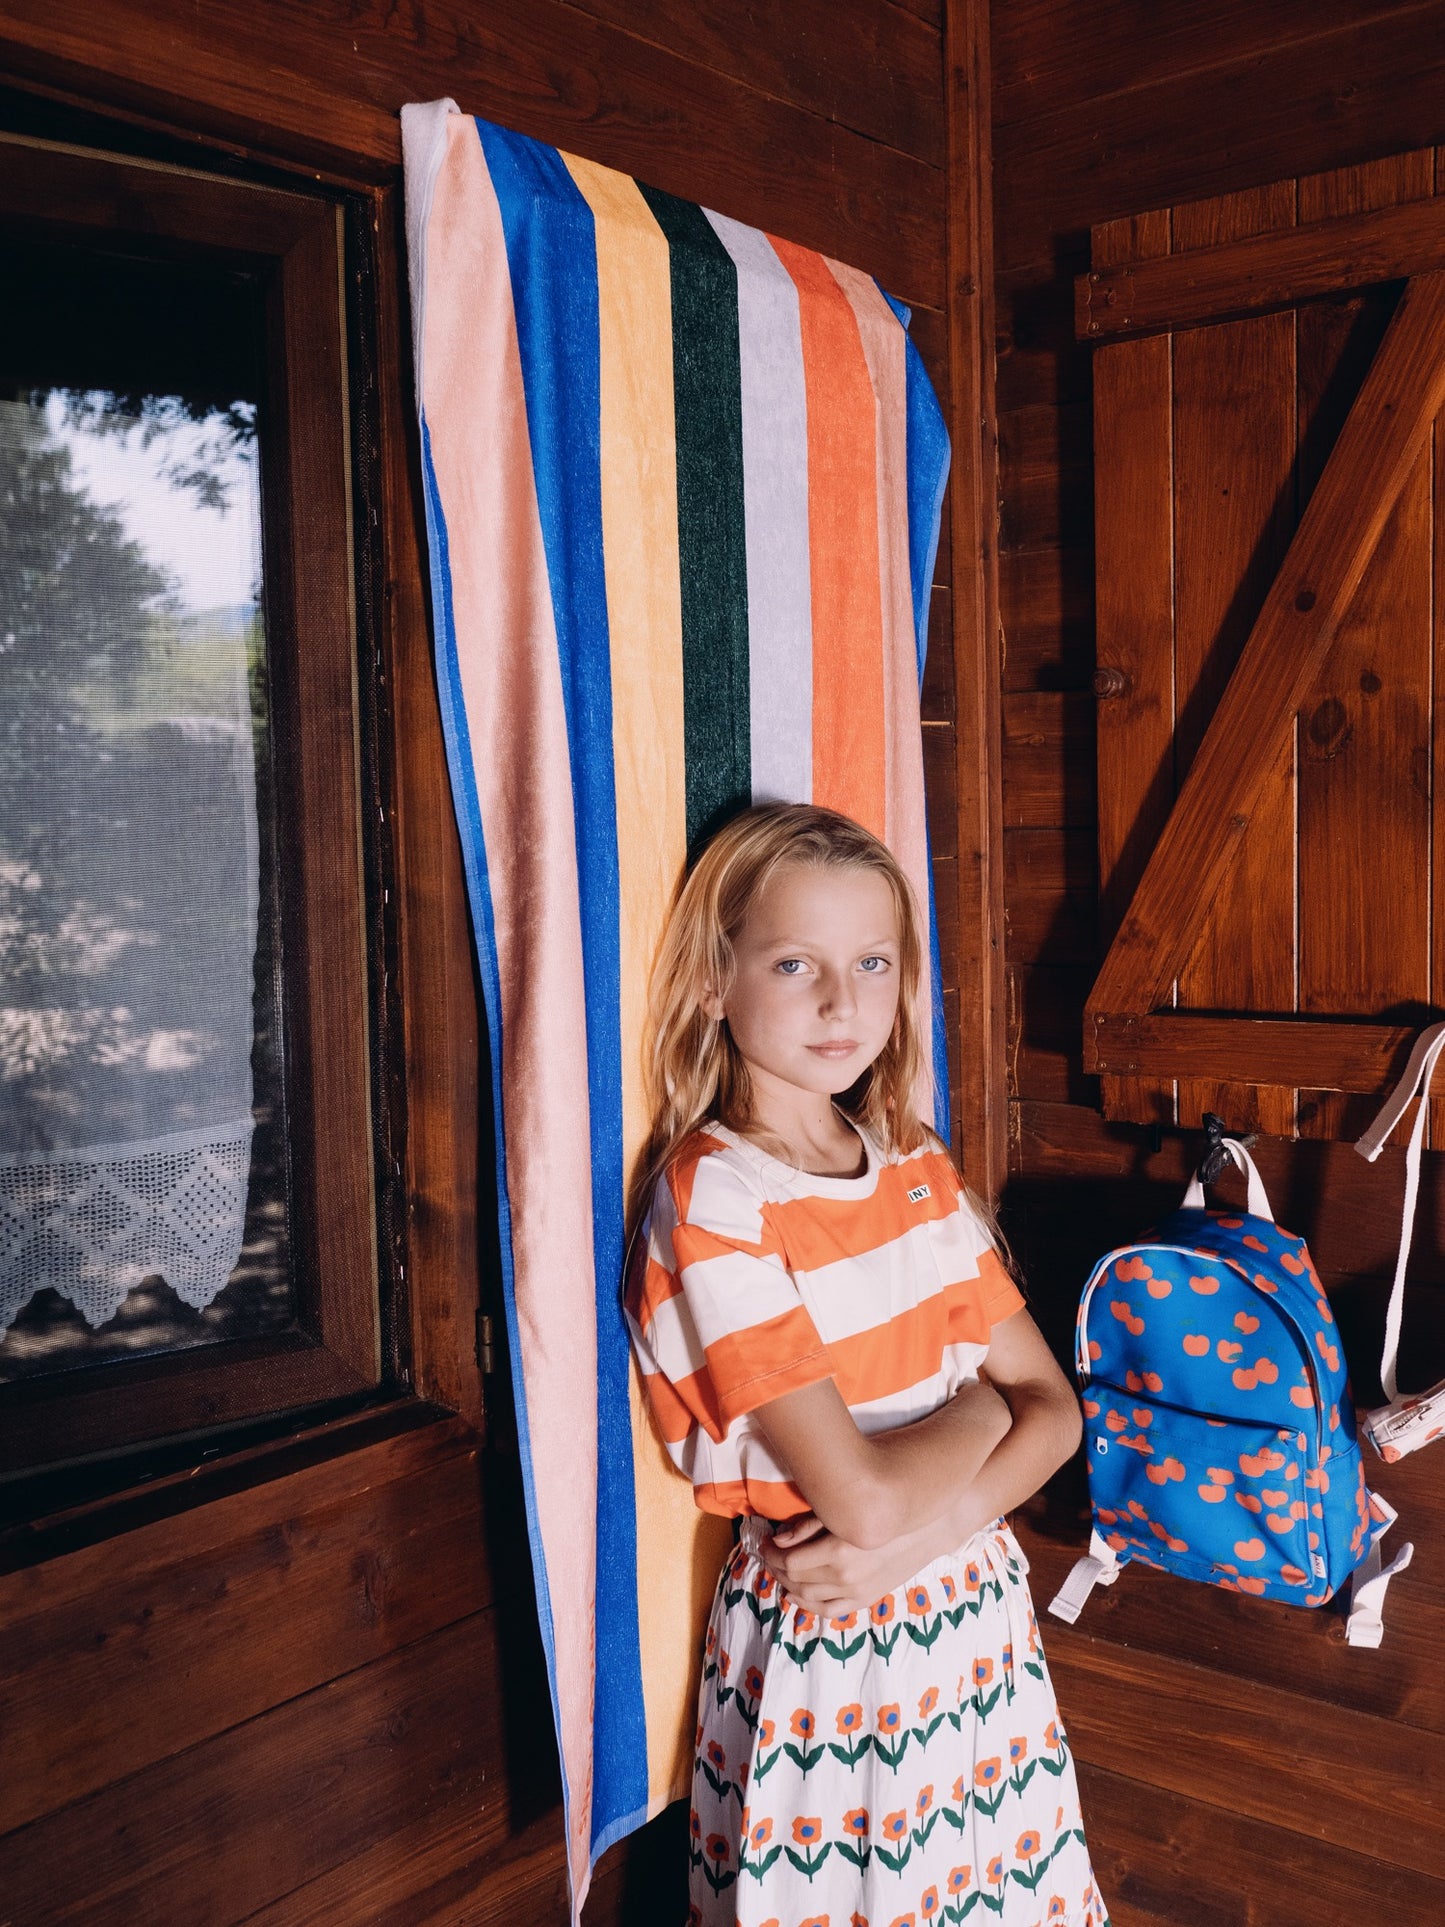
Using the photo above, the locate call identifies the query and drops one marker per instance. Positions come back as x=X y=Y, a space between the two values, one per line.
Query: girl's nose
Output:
x=837 y=999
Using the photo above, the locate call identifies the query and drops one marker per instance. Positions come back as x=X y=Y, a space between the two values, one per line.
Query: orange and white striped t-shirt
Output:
x=759 y=1279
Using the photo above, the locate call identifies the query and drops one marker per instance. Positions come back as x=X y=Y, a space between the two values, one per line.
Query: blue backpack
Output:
x=1218 y=1421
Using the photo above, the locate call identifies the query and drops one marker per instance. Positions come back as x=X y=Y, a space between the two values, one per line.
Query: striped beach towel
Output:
x=682 y=484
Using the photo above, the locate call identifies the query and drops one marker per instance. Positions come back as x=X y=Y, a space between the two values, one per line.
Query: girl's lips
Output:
x=845 y=1048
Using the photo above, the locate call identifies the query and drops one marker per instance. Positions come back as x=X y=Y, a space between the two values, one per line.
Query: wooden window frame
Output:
x=294 y=241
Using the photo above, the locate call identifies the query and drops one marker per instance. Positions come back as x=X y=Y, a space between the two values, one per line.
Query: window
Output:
x=187 y=1217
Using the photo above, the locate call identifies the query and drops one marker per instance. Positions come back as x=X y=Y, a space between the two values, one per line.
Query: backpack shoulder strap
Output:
x=1419 y=1073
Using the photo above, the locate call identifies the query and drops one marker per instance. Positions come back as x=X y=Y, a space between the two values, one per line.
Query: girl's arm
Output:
x=869 y=1489
x=823 y=1569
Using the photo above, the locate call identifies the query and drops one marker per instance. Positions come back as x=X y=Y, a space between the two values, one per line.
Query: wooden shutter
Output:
x=1270 y=572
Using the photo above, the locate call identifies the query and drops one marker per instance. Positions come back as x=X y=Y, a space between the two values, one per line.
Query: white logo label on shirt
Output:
x=919 y=1193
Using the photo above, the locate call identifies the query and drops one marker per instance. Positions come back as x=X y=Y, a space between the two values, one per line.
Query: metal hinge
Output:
x=486 y=1353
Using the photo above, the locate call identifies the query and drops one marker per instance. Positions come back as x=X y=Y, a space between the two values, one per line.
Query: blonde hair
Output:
x=692 y=1068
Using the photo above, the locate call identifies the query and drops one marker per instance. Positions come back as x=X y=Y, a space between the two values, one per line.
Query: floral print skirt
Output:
x=889 y=1768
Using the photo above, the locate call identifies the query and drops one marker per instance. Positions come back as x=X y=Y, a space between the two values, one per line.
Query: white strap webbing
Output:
x=1365 y=1624
x=1259 y=1206
x=1098 y=1567
x=1418 y=1074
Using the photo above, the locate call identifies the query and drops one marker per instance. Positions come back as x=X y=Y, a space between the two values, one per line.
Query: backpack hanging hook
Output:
x=1215 y=1158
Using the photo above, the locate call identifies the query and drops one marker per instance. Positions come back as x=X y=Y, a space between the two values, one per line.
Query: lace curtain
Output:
x=128 y=895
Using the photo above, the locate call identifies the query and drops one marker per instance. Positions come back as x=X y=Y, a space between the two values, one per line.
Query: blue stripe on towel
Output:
x=552 y=255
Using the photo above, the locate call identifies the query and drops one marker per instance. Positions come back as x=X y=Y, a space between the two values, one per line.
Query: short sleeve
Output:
x=716 y=1315
x=993 y=1296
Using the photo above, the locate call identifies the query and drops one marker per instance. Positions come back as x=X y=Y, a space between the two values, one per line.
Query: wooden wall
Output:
x=308 y=1688
x=1240 y=1764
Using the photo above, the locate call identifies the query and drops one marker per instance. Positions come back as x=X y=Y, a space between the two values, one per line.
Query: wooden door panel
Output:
x=1289 y=888
x=1234 y=438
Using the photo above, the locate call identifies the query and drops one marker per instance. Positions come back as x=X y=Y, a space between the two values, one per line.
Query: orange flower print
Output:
x=807 y=1832
x=928 y=1702
x=844 y=1623
x=988 y=1773
x=760 y=1833
x=890 y=1719
x=960 y=1790
x=804 y=1621
x=803 y=1724
x=753 y=1682
x=924 y=1800
x=895 y=1825
x=1027 y=1845
x=850 y=1718
x=858 y=1920
x=958 y=1879
x=765 y=1585
x=1056 y=1907
x=694 y=1825
x=855 y=1821
x=710 y=1646
x=717 y=1756
x=950 y=1591
x=982 y=1671
x=1051 y=1735
x=928 y=1903
x=972 y=1578
x=903 y=1920
x=994 y=1875
x=717 y=1847
x=814 y=1920
x=918 y=1601
x=1018 y=1748
x=765 y=1733
x=724 y=1662
x=881 y=1611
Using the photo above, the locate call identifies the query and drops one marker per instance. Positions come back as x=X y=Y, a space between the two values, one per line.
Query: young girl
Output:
x=878 y=1740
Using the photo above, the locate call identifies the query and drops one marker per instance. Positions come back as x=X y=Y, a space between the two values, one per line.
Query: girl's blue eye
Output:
x=790 y=966
x=873 y=965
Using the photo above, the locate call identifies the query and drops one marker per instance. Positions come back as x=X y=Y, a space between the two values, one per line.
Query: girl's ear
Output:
x=711 y=1004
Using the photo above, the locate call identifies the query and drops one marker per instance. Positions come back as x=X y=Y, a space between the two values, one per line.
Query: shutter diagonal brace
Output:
x=1308 y=599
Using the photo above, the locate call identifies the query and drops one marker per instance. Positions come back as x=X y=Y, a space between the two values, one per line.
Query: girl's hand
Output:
x=829 y=1576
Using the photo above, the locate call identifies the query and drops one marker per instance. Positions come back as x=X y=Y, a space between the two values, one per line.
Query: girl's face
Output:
x=815 y=992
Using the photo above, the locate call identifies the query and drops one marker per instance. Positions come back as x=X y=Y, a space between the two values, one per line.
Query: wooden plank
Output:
x=1165 y=1861
x=1047 y=455
x=1277 y=1051
x=1117 y=1704
x=973 y=512
x=937 y=695
x=940 y=784
x=357 y=1557
x=316 y=1779
x=1338 y=533
x=1040 y=361
x=1370 y=89
x=1051 y=896
x=1364 y=740
x=1258 y=275
x=1134 y=617
x=1047 y=57
x=1047 y=610
x=883 y=78
x=1048 y=763
x=322 y=85
x=1234 y=429
x=1046 y=1008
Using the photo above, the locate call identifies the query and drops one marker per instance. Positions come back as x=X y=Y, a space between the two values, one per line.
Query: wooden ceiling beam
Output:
x=1260 y=275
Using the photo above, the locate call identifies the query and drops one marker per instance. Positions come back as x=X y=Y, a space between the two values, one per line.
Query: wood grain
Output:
x=356 y=1557
x=1048 y=773
x=973 y=516
x=322 y=85
x=1047 y=610
x=1364 y=832
x=1255 y=275
x=315 y=1780
x=1336 y=536
x=1051 y=896
x=1165 y=1861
